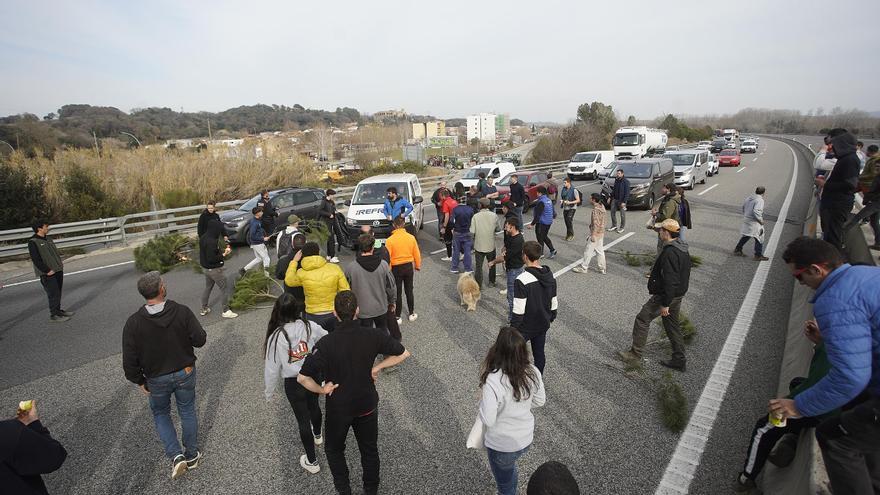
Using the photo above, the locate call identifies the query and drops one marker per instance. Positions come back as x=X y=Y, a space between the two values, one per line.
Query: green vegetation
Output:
x=164 y=253
x=631 y=259
x=688 y=330
x=252 y=289
x=178 y=198
x=679 y=130
x=23 y=198
x=672 y=403
x=696 y=260
x=85 y=197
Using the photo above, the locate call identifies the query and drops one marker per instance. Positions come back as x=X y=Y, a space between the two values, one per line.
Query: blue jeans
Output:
x=519 y=215
x=462 y=242
x=503 y=465
x=183 y=386
x=511 y=278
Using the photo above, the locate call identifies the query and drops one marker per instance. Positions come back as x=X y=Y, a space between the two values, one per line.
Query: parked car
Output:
x=713 y=165
x=367 y=205
x=302 y=201
x=718 y=145
x=729 y=158
x=588 y=164
x=530 y=180
x=646 y=177
x=748 y=146
x=730 y=145
x=605 y=172
x=691 y=166
x=472 y=175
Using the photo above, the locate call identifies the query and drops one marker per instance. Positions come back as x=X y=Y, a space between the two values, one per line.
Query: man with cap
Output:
x=483 y=230
x=667 y=284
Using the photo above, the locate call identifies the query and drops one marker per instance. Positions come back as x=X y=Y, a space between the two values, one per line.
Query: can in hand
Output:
x=777 y=421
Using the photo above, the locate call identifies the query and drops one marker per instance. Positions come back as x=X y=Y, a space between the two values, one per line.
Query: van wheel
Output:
x=692 y=184
x=651 y=202
x=704 y=179
x=595 y=175
x=422 y=220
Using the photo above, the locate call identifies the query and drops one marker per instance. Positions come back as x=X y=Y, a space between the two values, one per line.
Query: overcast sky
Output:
x=536 y=60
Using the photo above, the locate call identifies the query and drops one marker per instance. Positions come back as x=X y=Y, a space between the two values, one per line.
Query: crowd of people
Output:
x=335 y=329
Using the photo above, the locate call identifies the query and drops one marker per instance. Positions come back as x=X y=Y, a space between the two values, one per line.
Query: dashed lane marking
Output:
x=755 y=159
x=740 y=170
x=707 y=189
x=580 y=260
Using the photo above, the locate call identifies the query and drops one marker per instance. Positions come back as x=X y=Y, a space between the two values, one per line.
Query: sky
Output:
x=535 y=60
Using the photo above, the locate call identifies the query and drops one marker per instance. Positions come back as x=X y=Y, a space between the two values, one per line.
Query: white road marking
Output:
x=755 y=159
x=685 y=460
x=707 y=189
x=740 y=170
x=73 y=273
x=429 y=221
x=580 y=260
x=438 y=251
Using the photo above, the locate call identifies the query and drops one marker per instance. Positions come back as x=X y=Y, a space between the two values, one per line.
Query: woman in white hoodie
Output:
x=511 y=386
x=289 y=339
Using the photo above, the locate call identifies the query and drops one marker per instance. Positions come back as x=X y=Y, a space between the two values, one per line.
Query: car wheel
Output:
x=595 y=175
x=422 y=220
x=651 y=202
x=692 y=184
x=704 y=179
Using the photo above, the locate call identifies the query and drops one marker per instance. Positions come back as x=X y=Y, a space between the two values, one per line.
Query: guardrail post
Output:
x=120 y=222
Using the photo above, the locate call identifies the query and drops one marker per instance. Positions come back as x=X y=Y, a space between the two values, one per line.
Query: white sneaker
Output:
x=178 y=466
x=312 y=468
x=413 y=317
x=399 y=321
x=205 y=311
x=333 y=260
x=503 y=292
x=319 y=439
x=579 y=269
x=266 y=273
x=229 y=314
x=611 y=229
x=446 y=258
x=619 y=230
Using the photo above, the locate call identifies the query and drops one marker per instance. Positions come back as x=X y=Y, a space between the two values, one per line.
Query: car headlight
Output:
x=350 y=221
x=640 y=187
x=235 y=219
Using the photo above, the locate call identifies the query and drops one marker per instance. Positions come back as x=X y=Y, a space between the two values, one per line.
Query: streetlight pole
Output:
x=138 y=141
x=7 y=144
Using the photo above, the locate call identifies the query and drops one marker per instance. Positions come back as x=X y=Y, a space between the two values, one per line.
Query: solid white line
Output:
x=686 y=459
x=740 y=170
x=438 y=251
x=429 y=221
x=707 y=189
x=581 y=260
x=73 y=273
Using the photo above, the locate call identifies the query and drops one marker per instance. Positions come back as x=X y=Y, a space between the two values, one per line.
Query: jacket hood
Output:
x=679 y=244
x=164 y=318
x=543 y=274
x=844 y=144
x=369 y=263
x=214 y=228
x=315 y=262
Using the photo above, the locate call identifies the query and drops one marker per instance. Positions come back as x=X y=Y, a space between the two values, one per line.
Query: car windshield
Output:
x=629 y=139
x=681 y=160
x=637 y=170
x=748 y=143
x=728 y=153
x=474 y=173
x=584 y=157
x=506 y=180
x=375 y=193
x=250 y=205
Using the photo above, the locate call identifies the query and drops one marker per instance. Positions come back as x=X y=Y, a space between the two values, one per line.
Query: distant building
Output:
x=502 y=127
x=390 y=114
x=423 y=130
x=482 y=127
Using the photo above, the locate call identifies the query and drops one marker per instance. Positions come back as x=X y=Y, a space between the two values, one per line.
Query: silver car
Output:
x=691 y=166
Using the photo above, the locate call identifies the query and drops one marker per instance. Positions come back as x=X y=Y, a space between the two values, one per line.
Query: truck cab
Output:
x=638 y=141
x=367 y=205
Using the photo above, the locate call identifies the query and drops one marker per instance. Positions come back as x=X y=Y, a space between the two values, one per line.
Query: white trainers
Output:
x=413 y=317
x=611 y=229
x=308 y=466
x=229 y=314
x=446 y=258
x=205 y=311
x=178 y=466
x=319 y=439
x=579 y=269
x=503 y=292
x=333 y=259
x=399 y=321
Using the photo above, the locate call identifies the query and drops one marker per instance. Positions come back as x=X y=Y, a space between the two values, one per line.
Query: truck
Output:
x=730 y=134
x=639 y=141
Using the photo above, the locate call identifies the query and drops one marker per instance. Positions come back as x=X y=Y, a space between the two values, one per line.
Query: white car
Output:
x=748 y=146
x=495 y=170
x=713 y=167
x=730 y=145
x=691 y=166
x=588 y=164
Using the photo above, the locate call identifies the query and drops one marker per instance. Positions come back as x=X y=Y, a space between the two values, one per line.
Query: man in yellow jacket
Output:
x=405 y=258
x=320 y=280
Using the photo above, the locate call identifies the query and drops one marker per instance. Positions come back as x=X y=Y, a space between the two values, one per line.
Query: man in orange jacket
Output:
x=405 y=258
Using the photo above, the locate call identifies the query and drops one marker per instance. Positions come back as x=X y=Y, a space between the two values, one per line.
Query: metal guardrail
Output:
x=138 y=226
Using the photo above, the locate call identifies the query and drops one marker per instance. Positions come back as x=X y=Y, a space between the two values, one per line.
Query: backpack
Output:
x=285 y=243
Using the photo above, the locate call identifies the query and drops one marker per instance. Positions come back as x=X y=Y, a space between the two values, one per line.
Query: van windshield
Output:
x=375 y=194
x=474 y=173
x=681 y=160
x=584 y=157
x=628 y=139
x=251 y=204
x=636 y=170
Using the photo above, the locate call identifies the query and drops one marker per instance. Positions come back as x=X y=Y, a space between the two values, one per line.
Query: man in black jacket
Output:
x=49 y=268
x=27 y=450
x=345 y=361
x=211 y=260
x=838 y=187
x=517 y=197
x=667 y=284
x=209 y=213
x=327 y=214
x=619 y=197
x=158 y=356
x=534 y=301
x=270 y=213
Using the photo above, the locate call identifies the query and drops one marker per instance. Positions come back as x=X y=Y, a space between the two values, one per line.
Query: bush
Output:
x=632 y=260
x=672 y=403
x=84 y=197
x=163 y=253
x=688 y=330
x=178 y=198
x=253 y=288
x=696 y=260
x=23 y=198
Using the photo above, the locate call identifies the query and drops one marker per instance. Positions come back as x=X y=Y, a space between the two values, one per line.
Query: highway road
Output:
x=600 y=421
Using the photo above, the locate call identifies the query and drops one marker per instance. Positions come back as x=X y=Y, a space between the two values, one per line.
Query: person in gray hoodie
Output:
x=373 y=284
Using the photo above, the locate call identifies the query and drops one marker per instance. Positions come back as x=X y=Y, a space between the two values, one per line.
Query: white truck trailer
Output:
x=639 y=141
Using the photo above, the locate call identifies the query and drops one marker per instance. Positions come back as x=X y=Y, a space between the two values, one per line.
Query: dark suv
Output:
x=646 y=177
x=718 y=145
x=303 y=201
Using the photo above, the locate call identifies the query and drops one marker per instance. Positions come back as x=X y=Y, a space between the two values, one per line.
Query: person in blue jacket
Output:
x=543 y=220
x=396 y=205
x=846 y=307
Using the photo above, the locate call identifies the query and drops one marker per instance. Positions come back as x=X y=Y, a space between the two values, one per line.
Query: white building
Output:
x=482 y=127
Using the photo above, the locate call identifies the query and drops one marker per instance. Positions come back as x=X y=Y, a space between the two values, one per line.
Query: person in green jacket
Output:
x=49 y=268
x=668 y=208
x=778 y=444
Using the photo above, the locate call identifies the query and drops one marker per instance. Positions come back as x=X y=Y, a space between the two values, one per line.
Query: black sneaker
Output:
x=675 y=365
x=59 y=318
x=178 y=466
x=194 y=462
x=743 y=484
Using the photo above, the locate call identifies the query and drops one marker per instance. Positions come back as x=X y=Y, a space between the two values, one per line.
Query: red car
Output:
x=530 y=180
x=729 y=158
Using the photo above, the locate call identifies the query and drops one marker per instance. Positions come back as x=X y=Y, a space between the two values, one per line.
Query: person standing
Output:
x=668 y=209
x=684 y=214
x=534 y=301
x=396 y=206
x=462 y=242
x=847 y=315
x=518 y=197
x=619 y=197
x=406 y=259
x=158 y=356
x=512 y=257
x=327 y=215
x=569 y=200
x=437 y=201
x=257 y=238
x=753 y=224
x=211 y=261
x=869 y=183
x=209 y=213
x=483 y=230
x=49 y=268
x=667 y=284
x=27 y=450
x=345 y=362
x=447 y=222
x=838 y=187
x=510 y=386
x=542 y=221
x=284 y=241
x=596 y=241
x=370 y=278
x=320 y=280
x=270 y=213
x=290 y=338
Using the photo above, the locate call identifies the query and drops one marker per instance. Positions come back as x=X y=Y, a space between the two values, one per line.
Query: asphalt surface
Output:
x=600 y=421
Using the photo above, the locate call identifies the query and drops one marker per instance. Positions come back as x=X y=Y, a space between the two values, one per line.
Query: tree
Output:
x=475 y=141
x=23 y=198
x=631 y=120
x=598 y=115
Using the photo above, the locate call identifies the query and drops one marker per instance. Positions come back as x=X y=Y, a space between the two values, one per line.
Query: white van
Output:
x=497 y=171
x=691 y=166
x=367 y=205
x=588 y=164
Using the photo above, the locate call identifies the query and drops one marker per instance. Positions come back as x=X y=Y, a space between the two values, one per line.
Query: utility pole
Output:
x=210 y=138
x=97 y=152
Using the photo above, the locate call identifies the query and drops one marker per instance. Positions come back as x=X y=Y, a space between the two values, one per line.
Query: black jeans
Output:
x=326 y=320
x=308 y=414
x=871 y=211
x=650 y=311
x=366 y=432
x=52 y=285
x=403 y=277
x=542 y=235
x=447 y=240
x=832 y=220
x=759 y=248
x=568 y=216
x=331 y=238
x=850 y=446
x=537 y=342
x=380 y=322
x=478 y=267
x=393 y=326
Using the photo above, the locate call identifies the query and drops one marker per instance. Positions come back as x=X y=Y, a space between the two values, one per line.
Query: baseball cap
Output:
x=669 y=224
x=293 y=219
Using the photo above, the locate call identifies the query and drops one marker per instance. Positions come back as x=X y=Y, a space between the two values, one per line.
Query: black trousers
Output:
x=568 y=216
x=366 y=432
x=447 y=240
x=403 y=277
x=52 y=285
x=850 y=446
x=832 y=220
x=542 y=235
x=331 y=238
x=380 y=321
x=478 y=267
x=308 y=414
